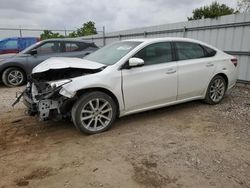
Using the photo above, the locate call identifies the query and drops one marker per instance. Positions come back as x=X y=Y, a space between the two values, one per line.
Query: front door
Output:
x=153 y=84
x=45 y=51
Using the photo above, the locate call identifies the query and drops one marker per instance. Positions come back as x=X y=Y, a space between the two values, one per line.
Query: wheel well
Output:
x=223 y=76
x=109 y=93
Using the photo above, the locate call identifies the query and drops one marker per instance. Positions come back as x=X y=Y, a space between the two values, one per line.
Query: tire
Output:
x=216 y=90
x=94 y=113
x=13 y=77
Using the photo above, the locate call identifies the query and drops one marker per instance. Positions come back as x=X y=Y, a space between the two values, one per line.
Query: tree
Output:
x=243 y=5
x=211 y=11
x=73 y=34
x=87 y=28
x=47 y=34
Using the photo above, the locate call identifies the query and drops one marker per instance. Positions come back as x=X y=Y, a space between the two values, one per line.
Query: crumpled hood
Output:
x=65 y=62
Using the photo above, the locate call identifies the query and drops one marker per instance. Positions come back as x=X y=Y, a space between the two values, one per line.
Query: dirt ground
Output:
x=187 y=145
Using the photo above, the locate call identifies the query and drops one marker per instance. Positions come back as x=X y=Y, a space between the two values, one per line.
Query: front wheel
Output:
x=94 y=112
x=216 y=90
x=13 y=77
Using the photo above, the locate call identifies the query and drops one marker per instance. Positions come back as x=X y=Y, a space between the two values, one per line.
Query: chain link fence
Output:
x=25 y=32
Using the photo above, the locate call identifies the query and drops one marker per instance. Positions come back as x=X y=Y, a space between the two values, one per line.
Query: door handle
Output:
x=210 y=65
x=171 y=71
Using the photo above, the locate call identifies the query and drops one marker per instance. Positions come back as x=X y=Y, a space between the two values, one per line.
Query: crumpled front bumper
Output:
x=45 y=100
x=30 y=104
x=43 y=108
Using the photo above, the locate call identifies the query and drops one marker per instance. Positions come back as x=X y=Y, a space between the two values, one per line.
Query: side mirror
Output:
x=33 y=52
x=135 y=62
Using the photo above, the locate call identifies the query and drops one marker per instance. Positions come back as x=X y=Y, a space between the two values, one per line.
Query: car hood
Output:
x=6 y=56
x=11 y=56
x=56 y=63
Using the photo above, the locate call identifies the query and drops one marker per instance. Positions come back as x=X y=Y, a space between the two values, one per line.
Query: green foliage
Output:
x=243 y=5
x=87 y=28
x=212 y=11
x=73 y=34
x=47 y=34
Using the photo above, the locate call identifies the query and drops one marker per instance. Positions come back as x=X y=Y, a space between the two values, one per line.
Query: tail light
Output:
x=234 y=61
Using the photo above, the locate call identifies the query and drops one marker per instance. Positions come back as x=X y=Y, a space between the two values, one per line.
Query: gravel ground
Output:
x=187 y=145
x=7 y=98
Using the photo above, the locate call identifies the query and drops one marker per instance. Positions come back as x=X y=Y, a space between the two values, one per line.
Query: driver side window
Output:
x=49 y=47
x=156 y=53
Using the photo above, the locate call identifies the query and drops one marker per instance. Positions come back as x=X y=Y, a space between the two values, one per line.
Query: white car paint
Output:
x=65 y=62
x=148 y=87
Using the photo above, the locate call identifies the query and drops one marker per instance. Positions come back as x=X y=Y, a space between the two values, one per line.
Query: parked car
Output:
x=14 y=70
x=128 y=77
x=16 y=44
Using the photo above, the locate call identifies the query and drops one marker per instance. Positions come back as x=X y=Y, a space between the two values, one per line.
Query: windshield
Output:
x=111 y=54
x=26 y=50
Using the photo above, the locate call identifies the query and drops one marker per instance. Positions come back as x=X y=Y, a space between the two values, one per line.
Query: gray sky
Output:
x=114 y=14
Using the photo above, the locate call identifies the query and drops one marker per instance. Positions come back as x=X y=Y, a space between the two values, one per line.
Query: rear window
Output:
x=209 y=51
x=78 y=46
x=188 y=50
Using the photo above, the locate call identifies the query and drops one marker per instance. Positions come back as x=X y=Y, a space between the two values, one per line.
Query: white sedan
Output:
x=128 y=77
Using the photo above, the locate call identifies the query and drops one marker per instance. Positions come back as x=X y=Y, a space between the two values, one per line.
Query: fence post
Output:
x=20 y=32
x=184 y=31
x=103 y=33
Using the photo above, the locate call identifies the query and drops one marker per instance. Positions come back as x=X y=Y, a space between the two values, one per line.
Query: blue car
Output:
x=16 y=44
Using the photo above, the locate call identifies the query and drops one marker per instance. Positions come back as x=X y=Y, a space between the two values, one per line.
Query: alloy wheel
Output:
x=96 y=114
x=217 y=90
x=15 y=77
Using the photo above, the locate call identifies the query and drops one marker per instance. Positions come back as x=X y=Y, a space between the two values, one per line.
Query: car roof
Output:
x=148 y=40
x=166 y=39
x=9 y=38
x=66 y=40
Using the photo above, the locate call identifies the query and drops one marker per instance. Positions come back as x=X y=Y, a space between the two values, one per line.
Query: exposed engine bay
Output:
x=42 y=96
x=59 y=74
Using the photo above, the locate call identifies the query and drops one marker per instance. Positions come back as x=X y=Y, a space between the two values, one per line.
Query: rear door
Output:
x=194 y=69
x=153 y=84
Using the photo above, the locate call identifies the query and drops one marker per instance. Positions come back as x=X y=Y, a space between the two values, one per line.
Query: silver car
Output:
x=15 y=68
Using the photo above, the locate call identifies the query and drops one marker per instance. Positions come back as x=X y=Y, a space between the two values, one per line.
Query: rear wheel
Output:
x=13 y=77
x=216 y=90
x=95 y=112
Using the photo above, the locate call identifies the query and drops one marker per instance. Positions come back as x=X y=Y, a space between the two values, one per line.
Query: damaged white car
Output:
x=127 y=77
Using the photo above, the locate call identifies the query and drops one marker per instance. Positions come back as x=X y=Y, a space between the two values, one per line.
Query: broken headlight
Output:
x=51 y=89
